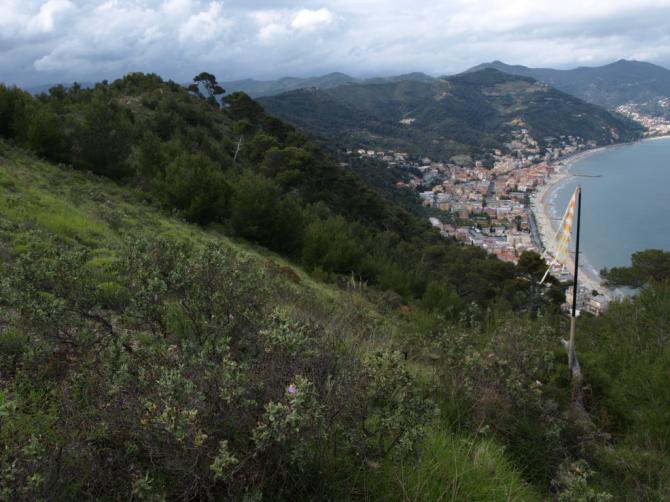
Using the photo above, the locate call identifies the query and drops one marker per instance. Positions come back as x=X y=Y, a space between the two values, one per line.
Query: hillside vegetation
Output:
x=153 y=347
x=143 y=357
x=260 y=88
x=280 y=190
x=609 y=85
x=472 y=113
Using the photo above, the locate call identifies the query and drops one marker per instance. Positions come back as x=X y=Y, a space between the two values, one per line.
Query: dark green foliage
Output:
x=255 y=147
x=625 y=357
x=180 y=149
x=13 y=104
x=138 y=83
x=188 y=385
x=465 y=114
x=498 y=381
x=442 y=299
x=648 y=265
x=630 y=347
x=189 y=367
x=151 y=156
x=289 y=166
x=260 y=213
x=241 y=107
x=32 y=125
x=103 y=139
x=195 y=185
x=330 y=245
x=208 y=82
x=383 y=178
x=532 y=269
x=609 y=85
x=43 y=133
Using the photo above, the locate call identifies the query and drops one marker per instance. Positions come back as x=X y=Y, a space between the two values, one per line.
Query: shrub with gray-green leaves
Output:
x=173 y=373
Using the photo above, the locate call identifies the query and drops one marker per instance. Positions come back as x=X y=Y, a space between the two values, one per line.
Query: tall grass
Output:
x=453 y=468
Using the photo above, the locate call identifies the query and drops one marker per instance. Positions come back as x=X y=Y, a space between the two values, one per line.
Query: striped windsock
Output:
x=563 y=235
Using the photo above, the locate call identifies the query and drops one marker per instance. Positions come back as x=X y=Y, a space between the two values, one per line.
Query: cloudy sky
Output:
x=88 y=40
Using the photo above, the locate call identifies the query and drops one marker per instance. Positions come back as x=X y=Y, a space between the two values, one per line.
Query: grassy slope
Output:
x=39 y=197
x=100 y=214
x=454 y=468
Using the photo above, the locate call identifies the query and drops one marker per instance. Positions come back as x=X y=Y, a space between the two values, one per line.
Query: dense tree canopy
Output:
x=648 y=265
x=178 y=147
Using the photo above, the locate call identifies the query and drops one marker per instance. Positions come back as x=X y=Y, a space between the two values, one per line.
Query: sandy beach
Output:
x=547 y=226
x=653 y=138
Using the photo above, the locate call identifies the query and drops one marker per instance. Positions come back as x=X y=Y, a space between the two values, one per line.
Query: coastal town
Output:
x=657 y=124
x=489 y=207
x=500 y=207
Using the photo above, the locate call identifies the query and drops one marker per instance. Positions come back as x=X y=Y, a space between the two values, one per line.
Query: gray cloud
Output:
x=85 y=40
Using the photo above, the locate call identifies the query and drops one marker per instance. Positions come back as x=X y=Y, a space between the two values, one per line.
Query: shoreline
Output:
x=654 y=138
x=541 y=204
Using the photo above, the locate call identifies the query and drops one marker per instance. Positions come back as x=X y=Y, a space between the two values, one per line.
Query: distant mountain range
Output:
x=610 y=85
x=39 y=89
x=260 y=88
x=469 y=113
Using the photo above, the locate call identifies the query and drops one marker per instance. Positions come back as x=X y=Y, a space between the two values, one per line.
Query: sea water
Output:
x=625 y=201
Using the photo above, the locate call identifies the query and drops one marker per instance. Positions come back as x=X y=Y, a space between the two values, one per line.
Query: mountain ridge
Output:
x=463 y=114
x=262 y=88
x=611 y=85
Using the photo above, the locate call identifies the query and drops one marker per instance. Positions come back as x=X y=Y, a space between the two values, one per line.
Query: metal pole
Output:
x=573 y=320
x=579 y=217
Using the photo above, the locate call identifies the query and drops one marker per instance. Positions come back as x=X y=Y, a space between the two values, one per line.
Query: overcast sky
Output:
x=89 y=40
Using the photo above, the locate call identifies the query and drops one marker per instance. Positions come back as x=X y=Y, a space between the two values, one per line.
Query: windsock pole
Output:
x=572 y=358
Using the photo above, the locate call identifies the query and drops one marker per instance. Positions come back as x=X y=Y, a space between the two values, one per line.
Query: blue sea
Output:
x=625 y=201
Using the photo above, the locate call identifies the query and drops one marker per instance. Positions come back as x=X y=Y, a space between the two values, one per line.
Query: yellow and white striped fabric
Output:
x=563 y=235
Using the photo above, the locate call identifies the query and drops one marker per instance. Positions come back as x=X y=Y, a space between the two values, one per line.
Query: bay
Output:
x=625 y=201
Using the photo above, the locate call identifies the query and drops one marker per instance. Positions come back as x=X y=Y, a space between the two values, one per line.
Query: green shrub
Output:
x=195 y=184
x=499 y=380
x=260 y=213
x=42 y=132
x=111 y=295
x=103 y=138
x=452 y=468
x=330 y=245
x=12 y=343
x=175 y=377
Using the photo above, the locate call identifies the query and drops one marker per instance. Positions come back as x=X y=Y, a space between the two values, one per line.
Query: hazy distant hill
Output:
x=260 y=88
x=468 y=113
x=609 y=85
x=39 y=89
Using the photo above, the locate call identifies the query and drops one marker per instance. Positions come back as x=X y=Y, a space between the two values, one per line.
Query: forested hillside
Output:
x=260 y=88
x=279 y=190
x=471 y=113
x=609 y=85
x=180 y=320
x=144 y=358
